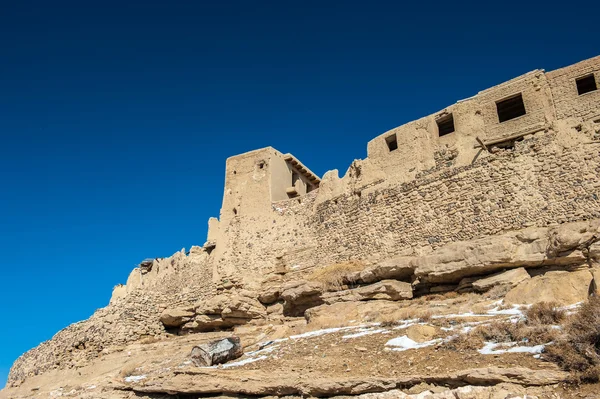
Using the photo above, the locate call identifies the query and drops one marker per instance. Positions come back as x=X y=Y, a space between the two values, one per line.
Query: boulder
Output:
x=565 y=288
x=565 y=245
x=176 y=317
x=508 y=278
x=234 y=305
x=569 y=237
x=299 y=296
x=216 y=352
x=270 y=290
x=225 y=311
x=398 y=268
x=421 y=332
x=392 y=290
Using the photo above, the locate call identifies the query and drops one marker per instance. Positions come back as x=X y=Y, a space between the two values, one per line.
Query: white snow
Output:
x=317 y=333
x=365 y=332
x=490 y=348
x=514 y=311
x=407 y=323
x=458 y=315
x=242 y=362
x=404 y=343
x=134 y=378
x=264 y=350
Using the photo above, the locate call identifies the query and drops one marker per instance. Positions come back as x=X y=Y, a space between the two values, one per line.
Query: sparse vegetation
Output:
x=578 y=351
x=336 y=277
x=397 y=318
x=545 y=313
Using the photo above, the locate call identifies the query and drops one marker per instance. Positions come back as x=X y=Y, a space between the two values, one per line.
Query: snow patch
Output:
x=404 y=343
x=514 y=311
x=490 y=348
x=243 y=362
x=317 y=333
x=134 y=378
x=365 y=332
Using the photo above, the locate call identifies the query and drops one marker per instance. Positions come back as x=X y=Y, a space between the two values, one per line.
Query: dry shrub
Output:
x=545 y=313
x=508 y=331
x=579 y=349
x=397 y=318
x=336 y=277
x=464 y=342
x=441 y=297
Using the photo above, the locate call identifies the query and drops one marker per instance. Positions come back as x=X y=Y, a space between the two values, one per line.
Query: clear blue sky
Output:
x=116 y=117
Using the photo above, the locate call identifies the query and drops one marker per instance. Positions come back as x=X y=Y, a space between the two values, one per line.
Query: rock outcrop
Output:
x=508 y=279
x=565 y=288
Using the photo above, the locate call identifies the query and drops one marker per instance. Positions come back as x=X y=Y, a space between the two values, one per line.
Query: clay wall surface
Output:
x=536 y=96
x=567 y=101
x=541 y=181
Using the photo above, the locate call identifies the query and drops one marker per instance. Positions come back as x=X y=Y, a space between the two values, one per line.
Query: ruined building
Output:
x=505 y=179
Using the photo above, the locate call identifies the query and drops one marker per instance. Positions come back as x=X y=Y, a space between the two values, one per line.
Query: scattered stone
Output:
x=216 y=352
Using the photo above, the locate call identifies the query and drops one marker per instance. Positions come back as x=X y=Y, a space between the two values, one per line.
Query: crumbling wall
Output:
x=537 y=183
x=537 y=99
x=567 y=101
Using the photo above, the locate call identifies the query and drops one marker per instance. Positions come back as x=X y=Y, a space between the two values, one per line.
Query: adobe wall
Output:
x=433 y=190
x=547 y=178
x=568 y=103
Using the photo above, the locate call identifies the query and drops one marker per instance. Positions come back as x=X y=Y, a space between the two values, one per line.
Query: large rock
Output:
x=391 y=290
x=399 y=268
x=225 y=311
x=176 y=317
x=509 y=278
x=567 y=244
x=299 y=296
x=216 y=352
x=565 y=288
x=421 y=332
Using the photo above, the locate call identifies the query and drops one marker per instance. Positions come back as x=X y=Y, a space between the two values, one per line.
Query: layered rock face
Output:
x=486 y=214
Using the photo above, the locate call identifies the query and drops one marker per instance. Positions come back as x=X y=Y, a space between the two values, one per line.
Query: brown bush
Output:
x=464 y=342
x=578 y=351
x=545 y=313
x=335 y=277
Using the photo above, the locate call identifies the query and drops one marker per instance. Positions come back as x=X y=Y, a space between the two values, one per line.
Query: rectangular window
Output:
x=392 y=142
x=586 y=84
x=445 y=125
x=510 y=108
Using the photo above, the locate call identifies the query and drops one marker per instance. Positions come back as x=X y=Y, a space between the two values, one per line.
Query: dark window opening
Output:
x=295 y=177
x=261 y=165
x=586 y=84
x=392 y=142
x=510 y=108
x=445 y=125
x=234 y=211
x=209 y=249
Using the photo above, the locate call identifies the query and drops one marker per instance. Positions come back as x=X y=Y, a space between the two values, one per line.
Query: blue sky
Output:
x=116 y=117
